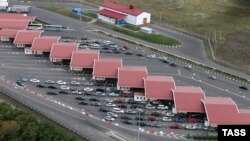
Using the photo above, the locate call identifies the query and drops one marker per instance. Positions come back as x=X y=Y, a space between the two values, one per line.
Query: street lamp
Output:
x=138 y=135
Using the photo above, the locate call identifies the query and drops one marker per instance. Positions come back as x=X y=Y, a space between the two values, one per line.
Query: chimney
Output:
x=131 y=6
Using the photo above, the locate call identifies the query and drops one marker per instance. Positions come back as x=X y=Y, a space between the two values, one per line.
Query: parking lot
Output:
x=81 y=91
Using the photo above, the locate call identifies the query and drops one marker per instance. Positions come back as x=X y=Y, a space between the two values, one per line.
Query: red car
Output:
x=126 y=95
x=152 y=118
x=192 y=120
x=177 y=126
x=119 y=101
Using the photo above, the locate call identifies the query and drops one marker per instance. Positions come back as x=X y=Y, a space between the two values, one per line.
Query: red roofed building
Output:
x=106 y=68
x=244 y=116
x=43 y=45
x=188 y=99
x=24 y=38
x=119 y=14
x=14 y=24
x=131 y=77
x=62 y=51
x=15 y=16
x=220 y=110
x=7 y=35
x=159 y=87
x=83 y=59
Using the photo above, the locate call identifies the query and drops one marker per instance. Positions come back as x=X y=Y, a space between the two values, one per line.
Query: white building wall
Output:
x=130 y=19
x=139 y=18
x=139 y=98
x=106 y=19
x=28 y=51
x=5 y=39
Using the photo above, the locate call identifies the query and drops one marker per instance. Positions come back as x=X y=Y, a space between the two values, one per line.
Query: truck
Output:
x=19 y=9
x=3 y=5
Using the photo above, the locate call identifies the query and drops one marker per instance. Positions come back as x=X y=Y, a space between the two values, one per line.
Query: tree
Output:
x=9 y=130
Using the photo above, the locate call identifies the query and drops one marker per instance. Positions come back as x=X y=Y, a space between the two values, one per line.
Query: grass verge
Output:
x=20 y=106
x=91 y=15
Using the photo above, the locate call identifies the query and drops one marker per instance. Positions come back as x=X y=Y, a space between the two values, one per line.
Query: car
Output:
x=162 y=107
x=118 y=110
x=192 y=120
x=165 y=61
x=163 y=58
x=34 y=80
x=88 y=89
x=19 y=83
x=110 y=105
x=108 y=100
x=113 y=115
x=152 y=118
x=173 y=64
x=122 y=106
x=243 y=87
x=76 y=92
x=109 y=118
x=75 y=83
x=83 y=103
x=63 y=92
x=127 y=122
x=100 y=94
x=212 y=77
x=128 y=53
x=149 y=106
x=141 y=124
x=168 y=114
x=60 y=82
x=130 y=111
x=88 y=83
x=51 y=93
x=190 y=127
x=154 y=124
x=52 y=87
x=188 y=66
x=126 y=117
x=157 y=114
x=119 y=101
x=95 y=103
x=88 y=93
x=139 y=118
x=134 y=106
x=152 y=56
x=176 y=126
x=179 y=119
x=104 y=110
x=23 y=79
x=140 y=55
x=167 y=119
x=80 y=98
x=93 y=99
x=64 y=87
x=40 y=86
x=113 y=94
x=49 y=81
x=100 y=90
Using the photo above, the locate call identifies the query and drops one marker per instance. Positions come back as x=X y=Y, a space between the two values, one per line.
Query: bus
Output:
x=35 y=27
x=53 y=27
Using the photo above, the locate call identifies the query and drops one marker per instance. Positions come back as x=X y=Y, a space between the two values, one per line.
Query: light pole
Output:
x=139 y=123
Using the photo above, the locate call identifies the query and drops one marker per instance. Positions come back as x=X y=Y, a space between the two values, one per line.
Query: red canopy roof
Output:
x=111 y=14
x=14 y=24
x=188 y=99
x=131 y=76
x=159 y=87
x=8 y=33
x=107 y=67
x=15 y=16
x=84 y=58
x=44 y=43
x=26 y=36
x=63 y=50
x=131 y=10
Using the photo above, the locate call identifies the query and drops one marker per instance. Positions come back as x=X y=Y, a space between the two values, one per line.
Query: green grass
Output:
x=92 y=15
x=38 y=115
x=40 y=22
x=67 y=12
x=152 y=38
x=132 y=27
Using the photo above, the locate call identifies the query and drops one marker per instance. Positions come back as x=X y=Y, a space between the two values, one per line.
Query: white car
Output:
x=100 y=94
x=109 y=118
x=60 y=82
x=88 y=89
x=108 y=100
x=168 y=114
x=188 y=66
x=167 y=119
x=113 y=94
x=110 y=105
x=163 y=58
x=162 y=107
x=76 y=92
x=113 y=115
x=49 y=81
x=212 y=77
x=152 y=56
x=88 y=83
x=64 y=87
x=118 y=110
x=34 y=80
x=190 y=127
x=75 y=83
x=149 y=106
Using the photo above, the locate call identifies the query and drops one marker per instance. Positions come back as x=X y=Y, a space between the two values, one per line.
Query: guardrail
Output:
x=180 y=59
